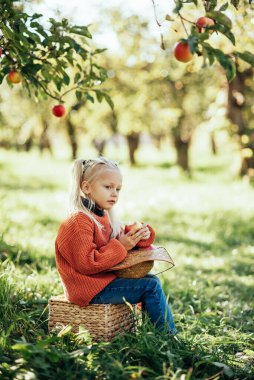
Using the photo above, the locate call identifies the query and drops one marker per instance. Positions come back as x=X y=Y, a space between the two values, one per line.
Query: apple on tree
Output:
x=14 y=77
x=1 y=51
x=58 y=110
x=204 y=22
x=182 y=52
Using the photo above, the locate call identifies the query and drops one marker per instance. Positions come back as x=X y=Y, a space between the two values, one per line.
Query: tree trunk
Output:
x=213 y=144
x=133 y=143
x=28 y=143
x=44 y=141
x=236 y=106
x=157 y=139
x=182 y=139
x=99 y=144
x=72 y=134
x=182 y=153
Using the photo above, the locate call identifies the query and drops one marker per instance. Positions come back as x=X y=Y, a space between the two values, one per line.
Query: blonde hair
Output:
x=89 y=170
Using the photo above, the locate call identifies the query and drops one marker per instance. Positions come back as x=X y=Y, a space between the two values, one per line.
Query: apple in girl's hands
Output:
x=133 y=233
x=137 y=226
x=133 y=228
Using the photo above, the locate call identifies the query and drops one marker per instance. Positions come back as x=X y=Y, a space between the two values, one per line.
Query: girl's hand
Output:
x=130 y=240
x=146 y=232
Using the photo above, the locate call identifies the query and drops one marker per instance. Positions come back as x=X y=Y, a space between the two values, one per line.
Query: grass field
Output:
x=207 y=222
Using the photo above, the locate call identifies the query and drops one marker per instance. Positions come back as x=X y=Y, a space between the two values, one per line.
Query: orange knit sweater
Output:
x=83 y=253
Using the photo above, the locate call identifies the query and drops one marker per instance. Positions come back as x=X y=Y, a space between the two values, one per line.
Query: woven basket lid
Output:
x=141 y=255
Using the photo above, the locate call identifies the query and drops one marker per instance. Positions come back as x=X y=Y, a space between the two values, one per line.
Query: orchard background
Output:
x=166 y=89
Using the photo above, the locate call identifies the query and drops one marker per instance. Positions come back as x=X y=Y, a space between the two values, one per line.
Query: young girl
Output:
x=91 y=241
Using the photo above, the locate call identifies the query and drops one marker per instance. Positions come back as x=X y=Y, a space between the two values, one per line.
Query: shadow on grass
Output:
x=243 y=267
x=148 y=165
x=15 y=182
x=214 y=168
x=21 y=257
x=34 y=185
x=228 y=229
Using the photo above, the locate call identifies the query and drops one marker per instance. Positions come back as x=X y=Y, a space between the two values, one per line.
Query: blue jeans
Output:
x=147 y=290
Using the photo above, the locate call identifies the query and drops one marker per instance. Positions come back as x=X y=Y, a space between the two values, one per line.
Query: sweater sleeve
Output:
x=80 y=250
x=147 y=242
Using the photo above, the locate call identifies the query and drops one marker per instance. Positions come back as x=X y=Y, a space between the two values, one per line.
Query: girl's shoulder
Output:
x=76 y=218
x=79 y=218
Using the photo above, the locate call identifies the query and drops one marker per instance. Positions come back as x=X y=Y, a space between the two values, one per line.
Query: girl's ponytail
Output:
x=77 y=173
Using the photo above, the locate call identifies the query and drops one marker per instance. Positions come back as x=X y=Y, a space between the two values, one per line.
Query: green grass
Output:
x=206 y=222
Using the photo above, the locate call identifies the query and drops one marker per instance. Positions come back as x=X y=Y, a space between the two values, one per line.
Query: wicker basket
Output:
x=103 y=321
x=136 y=271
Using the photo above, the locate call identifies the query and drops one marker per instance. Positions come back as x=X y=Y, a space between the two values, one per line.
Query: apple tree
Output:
x=197 y=32
x=49 y=61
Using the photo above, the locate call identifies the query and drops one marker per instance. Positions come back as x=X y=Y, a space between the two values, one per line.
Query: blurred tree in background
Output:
x=154 y=95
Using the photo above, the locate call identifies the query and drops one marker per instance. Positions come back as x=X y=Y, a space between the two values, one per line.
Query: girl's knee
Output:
x=153 y=278
x=154 y=284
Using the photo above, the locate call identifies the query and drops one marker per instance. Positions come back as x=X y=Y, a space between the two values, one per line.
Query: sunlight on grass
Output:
x=205 y=222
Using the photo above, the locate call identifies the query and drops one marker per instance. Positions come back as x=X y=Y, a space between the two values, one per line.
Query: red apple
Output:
x=182 y=52
x=134 y=227
x=1 y=51
x=203 y=22
x=14 y=77
x=58 y=110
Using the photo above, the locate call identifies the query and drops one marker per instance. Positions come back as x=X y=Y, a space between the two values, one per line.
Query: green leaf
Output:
x=66 y=79
x=35 y=16
x=65 y=331
x=223 y=7
x=235 y=3
x=78 y=95
x=81 y=30
x=208 y=53
x=31 y=68
x=169 y=18
x=226 y=62
x=178 y=6
x=246 y=56
x=39 y=28
x=98 y=51
x=231 y=37
x=193 y=43
x=35 y=37
x=211 y=4
x=220 y=18
x=69 y=58
x=199 y=36
x=65 y=23
x=7 y=32
x=99 y=96
x=108 y=100
x=90 y=98
x=224 y=30
x=77 y=77
x=58 y=83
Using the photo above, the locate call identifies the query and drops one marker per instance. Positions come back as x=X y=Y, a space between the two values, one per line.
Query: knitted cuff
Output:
x=147 y=242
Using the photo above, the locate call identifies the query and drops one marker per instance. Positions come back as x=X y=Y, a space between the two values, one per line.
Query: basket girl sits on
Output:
x=91 y=241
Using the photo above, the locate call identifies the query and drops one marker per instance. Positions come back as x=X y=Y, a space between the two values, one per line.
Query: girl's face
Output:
x=104 y=190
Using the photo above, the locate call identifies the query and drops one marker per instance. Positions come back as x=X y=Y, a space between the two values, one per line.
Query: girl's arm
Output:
x=79 y=250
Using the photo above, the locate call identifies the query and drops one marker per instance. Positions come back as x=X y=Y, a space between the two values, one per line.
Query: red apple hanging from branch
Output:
x=203 y=23
x=14 y=77
x=182 y=51
x=58 y=110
